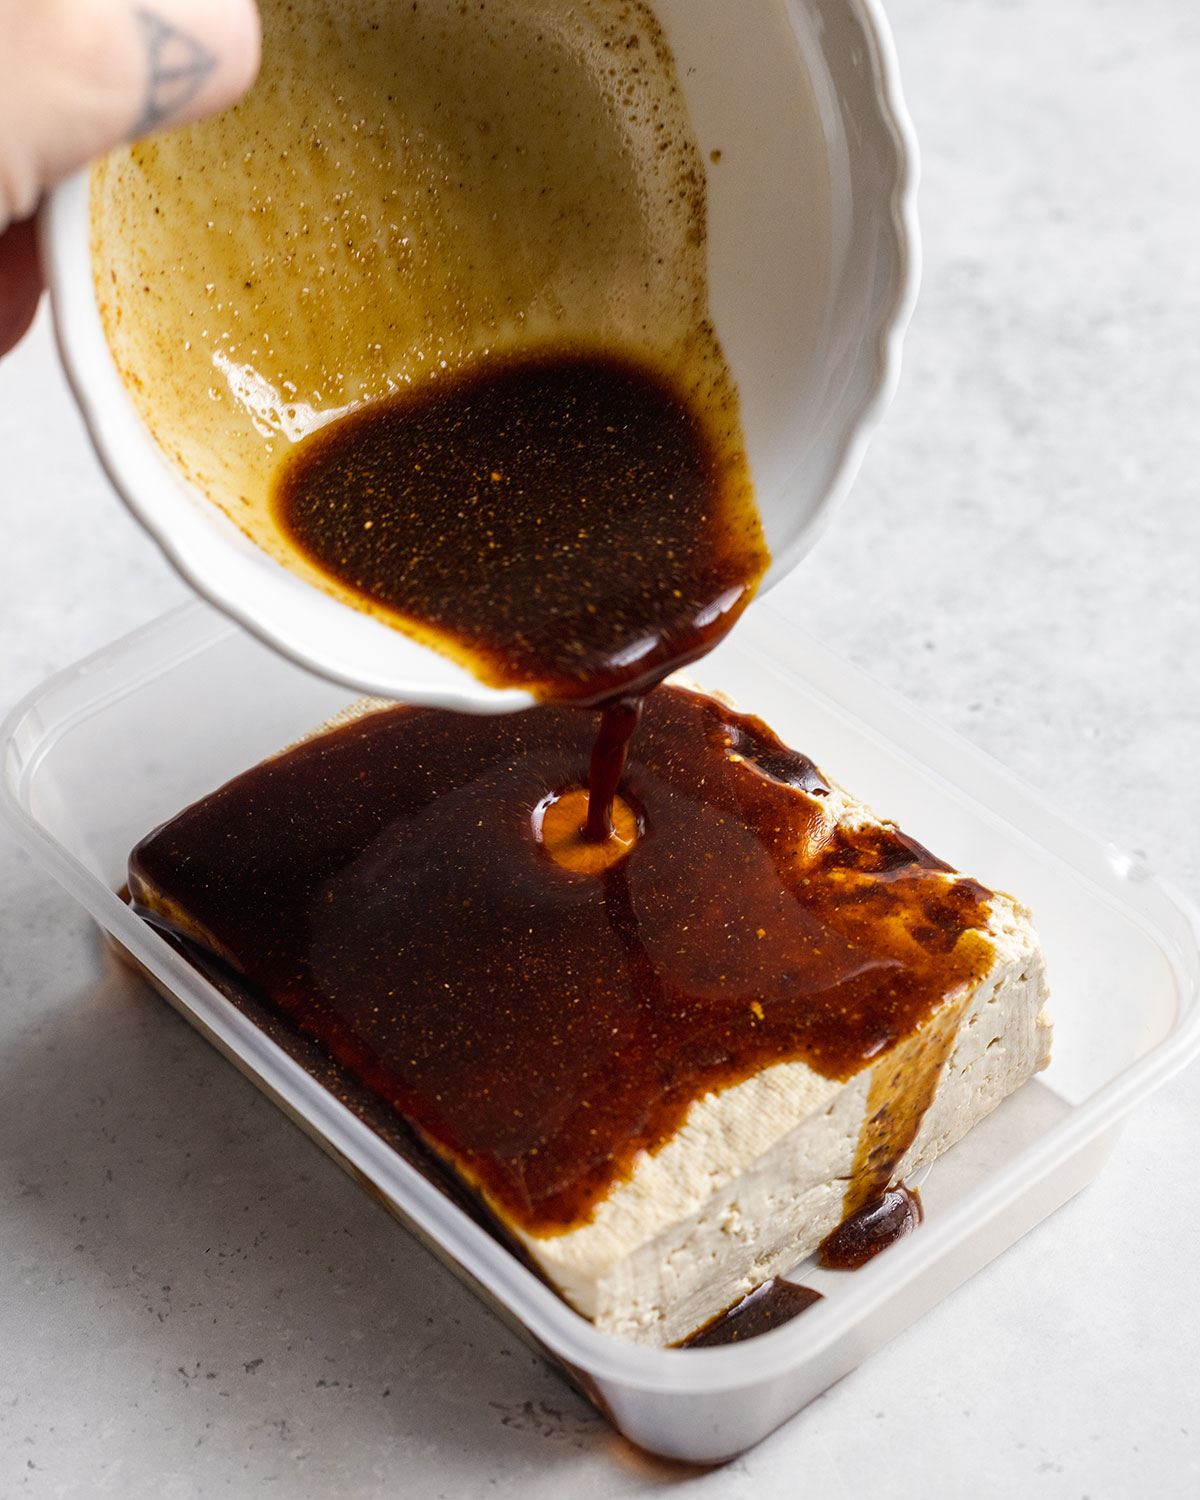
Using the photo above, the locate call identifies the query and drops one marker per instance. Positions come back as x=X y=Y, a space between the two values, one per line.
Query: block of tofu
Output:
x=769 y=1147
x=760 y=1172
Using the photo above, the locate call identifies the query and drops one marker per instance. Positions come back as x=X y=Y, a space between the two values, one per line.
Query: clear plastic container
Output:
x=108 y=749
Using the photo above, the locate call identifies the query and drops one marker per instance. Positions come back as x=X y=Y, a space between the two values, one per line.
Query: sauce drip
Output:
x=901 y=1091
x=609 y=753
x=562 y=520
x=872 y=1228
x=383 y=889
x=769 y=1306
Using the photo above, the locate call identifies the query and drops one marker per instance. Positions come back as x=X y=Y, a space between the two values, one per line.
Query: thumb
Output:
x=79 y=76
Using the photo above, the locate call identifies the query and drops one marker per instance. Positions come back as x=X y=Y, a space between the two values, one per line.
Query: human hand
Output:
x=79 y=76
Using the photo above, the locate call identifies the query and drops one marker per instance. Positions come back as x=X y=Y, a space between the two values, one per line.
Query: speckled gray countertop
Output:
x=194 y=1302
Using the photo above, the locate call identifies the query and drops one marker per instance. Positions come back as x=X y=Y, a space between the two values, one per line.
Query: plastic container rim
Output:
x=564 y=1332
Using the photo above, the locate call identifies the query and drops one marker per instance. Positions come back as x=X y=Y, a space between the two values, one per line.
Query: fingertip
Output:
x=20 y=282
x=77 y=77
x=238 y=48
x=198 y=58
x=249 y=47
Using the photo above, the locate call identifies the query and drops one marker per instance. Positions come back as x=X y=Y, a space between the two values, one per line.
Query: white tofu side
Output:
x=756 y=1176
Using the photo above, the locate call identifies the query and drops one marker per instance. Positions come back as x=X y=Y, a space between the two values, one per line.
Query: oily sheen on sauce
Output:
x=562 y=521
x=383 y=888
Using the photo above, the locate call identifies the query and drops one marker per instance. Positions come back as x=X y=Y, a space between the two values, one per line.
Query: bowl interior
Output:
x=247 y=313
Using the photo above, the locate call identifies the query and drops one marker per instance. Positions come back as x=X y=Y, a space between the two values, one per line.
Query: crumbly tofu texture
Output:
x=757 y=1175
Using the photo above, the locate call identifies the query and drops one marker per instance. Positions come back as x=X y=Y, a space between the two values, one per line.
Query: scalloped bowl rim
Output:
x=315 y=629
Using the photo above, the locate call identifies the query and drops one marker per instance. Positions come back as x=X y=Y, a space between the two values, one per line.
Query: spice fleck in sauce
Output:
x=561 y=520
x=384 y=887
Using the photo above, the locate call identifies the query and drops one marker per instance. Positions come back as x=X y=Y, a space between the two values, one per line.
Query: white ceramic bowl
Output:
x=809 y=300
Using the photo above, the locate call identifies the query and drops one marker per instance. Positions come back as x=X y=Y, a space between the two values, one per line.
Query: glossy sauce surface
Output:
x=383 y=888
x=562 y=521
x=769 y=1306
x=410 y=196
x=871 y=1229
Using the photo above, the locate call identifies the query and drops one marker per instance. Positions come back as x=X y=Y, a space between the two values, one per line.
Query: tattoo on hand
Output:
x=177 y=66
